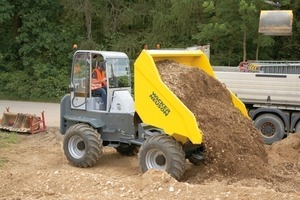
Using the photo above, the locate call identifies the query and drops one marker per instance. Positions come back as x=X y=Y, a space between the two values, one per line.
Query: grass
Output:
x=6 y=139
x=11 y=97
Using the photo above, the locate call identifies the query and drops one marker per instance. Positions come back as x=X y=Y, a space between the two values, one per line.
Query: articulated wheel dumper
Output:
x=156 y=124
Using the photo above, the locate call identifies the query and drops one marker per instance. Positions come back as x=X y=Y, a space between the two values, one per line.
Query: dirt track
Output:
x=37 y=169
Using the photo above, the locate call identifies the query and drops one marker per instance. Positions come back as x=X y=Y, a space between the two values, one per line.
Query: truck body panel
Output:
x=269 y=89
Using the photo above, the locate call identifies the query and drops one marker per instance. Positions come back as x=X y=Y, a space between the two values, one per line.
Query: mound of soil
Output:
x=284 y=155
x=234 y=147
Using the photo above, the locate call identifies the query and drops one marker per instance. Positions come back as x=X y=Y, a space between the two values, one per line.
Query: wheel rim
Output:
x=268 y=129
x=76 y=147
x=155 y=159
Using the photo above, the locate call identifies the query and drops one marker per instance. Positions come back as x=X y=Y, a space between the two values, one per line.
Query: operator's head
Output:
x=99 y=61
x=102 y=66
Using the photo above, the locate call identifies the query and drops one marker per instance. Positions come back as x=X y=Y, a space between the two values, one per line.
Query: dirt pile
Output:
x=284 y=155
x=234 y=146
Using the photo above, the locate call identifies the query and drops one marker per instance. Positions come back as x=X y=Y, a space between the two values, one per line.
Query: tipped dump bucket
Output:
x=276 y=22
x=157 y=105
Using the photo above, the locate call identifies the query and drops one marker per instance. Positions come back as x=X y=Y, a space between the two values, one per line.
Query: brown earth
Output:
x=237 y=166
x=37 y=169
x=230 y=138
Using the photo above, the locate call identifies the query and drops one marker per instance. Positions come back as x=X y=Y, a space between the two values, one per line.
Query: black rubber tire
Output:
x=127 y=150
x=162 y=152
x=271 y=127
x=82 y=145
x=297 y=127
x=197 y=157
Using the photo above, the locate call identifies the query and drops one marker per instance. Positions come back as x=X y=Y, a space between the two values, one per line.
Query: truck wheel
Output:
x=127 y=150
x=271 y=127
x=297 y=128
x=82 y=145
x=162 y=152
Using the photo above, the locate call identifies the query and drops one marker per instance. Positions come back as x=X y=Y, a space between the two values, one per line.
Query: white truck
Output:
x=270 y=92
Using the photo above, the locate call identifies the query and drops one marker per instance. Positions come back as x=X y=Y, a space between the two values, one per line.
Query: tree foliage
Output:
x=37 y=35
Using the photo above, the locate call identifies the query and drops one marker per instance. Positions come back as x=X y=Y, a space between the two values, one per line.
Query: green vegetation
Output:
x=37 y=36
x=6 y=139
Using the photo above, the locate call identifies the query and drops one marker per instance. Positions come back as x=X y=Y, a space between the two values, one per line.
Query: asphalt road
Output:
x=51 y=110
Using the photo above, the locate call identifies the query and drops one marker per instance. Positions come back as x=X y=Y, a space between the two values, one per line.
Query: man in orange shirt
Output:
x=99 y=84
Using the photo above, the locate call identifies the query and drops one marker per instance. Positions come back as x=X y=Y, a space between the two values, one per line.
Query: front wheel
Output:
x=271 y=127
x=162 y=152
x=82 y=145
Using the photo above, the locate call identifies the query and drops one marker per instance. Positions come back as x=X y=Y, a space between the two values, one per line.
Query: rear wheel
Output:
x=271 y=127
x=297 y=128
x=82 y=145
x=162 y=152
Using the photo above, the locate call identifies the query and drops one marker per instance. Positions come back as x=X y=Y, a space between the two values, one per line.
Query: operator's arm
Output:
x=95 y=81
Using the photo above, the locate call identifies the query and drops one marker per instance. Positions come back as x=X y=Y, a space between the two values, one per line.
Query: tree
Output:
x=86 y=12
x=221 y=28
x=248 y=14
x=38 y=51
x=37 y=35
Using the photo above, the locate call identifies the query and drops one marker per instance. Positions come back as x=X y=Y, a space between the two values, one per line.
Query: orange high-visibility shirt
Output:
x=98 y=79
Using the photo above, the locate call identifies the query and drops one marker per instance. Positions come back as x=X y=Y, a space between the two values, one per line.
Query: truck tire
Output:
x=297 y=128
x=82 y=145
x=127 y=149
x=271 y=127
x=162 y=152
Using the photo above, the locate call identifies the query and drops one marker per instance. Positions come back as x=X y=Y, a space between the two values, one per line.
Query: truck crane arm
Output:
x=276 y=4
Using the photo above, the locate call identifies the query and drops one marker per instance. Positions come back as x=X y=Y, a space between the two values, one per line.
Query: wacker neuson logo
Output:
x=160 y=104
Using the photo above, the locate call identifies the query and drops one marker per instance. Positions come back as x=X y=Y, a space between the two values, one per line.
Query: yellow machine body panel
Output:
x=157 y=105
x=276 y=22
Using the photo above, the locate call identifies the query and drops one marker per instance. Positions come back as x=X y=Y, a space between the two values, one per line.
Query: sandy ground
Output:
x=36 y=168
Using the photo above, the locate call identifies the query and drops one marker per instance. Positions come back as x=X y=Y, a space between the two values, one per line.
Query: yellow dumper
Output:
x=156 y=123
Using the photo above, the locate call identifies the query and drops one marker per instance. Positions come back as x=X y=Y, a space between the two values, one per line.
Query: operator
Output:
x=99 y=84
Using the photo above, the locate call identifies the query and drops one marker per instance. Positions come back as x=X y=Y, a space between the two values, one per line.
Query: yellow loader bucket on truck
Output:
x=157 y=105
